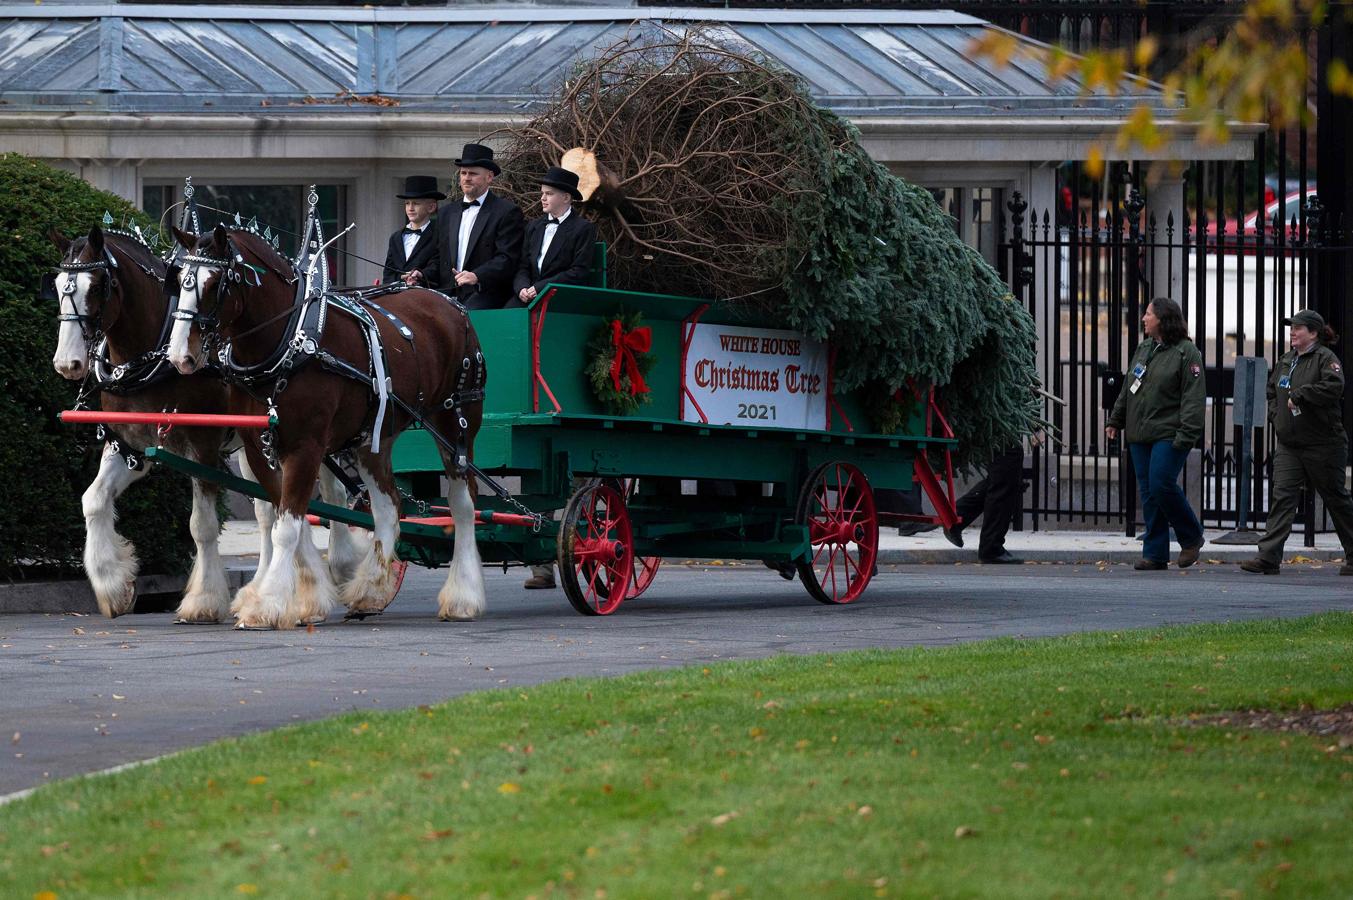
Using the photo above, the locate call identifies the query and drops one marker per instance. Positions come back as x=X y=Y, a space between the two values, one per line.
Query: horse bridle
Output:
x=86 y=320
x=187 y=280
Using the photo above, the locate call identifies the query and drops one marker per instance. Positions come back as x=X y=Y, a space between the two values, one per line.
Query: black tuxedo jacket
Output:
x=493 y=254
x=568 y=261
x=424 y=258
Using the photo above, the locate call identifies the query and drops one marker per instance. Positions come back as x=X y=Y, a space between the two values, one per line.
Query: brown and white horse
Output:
x=238 y=286
x=113 y=285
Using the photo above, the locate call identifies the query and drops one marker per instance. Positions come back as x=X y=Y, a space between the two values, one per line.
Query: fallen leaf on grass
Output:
x=509 y=787
x=439 y=834
x=259 y=779
x=45 y=895
x=246 y=888
x=965 y=831
x=865 y=812
x=723 y=819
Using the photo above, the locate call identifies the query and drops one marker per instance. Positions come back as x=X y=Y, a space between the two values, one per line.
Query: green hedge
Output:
x=45 y=466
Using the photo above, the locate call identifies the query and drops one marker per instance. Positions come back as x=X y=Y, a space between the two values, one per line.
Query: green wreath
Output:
x=619 y=359
x=888 y=410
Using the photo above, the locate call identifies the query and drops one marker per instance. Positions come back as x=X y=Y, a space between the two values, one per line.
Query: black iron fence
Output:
x=1087 y=268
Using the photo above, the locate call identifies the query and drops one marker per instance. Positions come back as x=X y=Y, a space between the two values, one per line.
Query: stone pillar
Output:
x=1165 y=265
x=1041 y=183
x=371 y=201
x=121 y=177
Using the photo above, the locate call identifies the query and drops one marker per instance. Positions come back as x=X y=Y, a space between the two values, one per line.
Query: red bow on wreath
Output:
x=626 y=344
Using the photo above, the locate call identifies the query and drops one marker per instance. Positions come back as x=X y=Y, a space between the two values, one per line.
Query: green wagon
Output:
x=619 y=493
x=742 y=450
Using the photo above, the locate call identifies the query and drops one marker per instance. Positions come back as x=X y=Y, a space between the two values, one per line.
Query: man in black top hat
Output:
x=479 y=236
x=558 y=246
x=413 y=249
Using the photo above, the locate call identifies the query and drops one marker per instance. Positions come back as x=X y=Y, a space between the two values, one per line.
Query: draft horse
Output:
x=338 y=379
x=113 y=322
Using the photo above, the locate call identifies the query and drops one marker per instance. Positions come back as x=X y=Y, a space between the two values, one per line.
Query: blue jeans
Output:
x=1163 y=503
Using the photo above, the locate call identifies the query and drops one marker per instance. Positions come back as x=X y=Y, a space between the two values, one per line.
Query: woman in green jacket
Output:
x=1305 y=390
x=1160 y=412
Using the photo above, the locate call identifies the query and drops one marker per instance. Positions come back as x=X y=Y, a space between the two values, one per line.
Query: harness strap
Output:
x=135 y=462
x=404 y=330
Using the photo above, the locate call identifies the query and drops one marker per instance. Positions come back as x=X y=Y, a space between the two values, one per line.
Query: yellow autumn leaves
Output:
x=1257 y=69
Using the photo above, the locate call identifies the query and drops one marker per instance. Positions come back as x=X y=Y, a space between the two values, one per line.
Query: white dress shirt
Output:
x=411 y=240
x=550 y=231
x=467 y=219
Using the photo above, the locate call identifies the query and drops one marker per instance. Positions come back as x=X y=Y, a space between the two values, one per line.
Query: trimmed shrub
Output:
x=48 y=465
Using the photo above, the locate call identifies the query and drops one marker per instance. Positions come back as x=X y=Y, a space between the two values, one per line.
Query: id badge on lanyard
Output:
x=1285 y=382
x=1138 y=373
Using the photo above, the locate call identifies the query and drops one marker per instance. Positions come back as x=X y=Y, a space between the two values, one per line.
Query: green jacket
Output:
x=1169 y=405
x=1316 y=386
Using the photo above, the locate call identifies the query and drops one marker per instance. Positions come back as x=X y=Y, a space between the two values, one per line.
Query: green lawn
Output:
x=1003 y=769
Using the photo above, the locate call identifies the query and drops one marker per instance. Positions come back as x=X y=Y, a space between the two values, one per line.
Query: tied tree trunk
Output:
x=711 y=172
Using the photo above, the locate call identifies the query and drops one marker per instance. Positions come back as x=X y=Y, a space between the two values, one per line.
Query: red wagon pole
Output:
x=205 y=420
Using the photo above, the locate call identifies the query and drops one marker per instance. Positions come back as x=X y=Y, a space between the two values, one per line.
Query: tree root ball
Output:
x=711 y=172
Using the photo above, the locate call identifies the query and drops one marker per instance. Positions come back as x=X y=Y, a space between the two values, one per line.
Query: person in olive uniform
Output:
x=1160 y=413
x=1304 y=393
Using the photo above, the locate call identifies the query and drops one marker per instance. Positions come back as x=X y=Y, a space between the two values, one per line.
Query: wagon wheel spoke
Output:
x=837 y=507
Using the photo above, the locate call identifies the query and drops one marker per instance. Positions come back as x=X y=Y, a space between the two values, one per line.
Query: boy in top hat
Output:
x=557 y=247
x=413 y=249
x=480 y=236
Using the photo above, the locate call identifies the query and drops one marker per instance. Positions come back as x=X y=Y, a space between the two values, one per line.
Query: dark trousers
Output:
x=1323 y=469
x=996 y=499
x=1164 y=505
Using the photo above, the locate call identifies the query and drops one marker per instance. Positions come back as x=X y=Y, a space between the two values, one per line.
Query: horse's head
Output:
x=209 y=263
x=89 y=299
x=213 y=276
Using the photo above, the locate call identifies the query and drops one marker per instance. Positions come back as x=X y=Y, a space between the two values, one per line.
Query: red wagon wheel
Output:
x=596 y=550
x=837 y=505
x=645 y=570
x=645 y=567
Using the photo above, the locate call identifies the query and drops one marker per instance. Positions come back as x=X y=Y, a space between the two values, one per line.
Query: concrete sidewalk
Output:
x=240 y=538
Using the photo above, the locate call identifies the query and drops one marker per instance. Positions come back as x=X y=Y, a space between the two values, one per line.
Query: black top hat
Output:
x=478 y=155
x=421 y=187
x=563 y=179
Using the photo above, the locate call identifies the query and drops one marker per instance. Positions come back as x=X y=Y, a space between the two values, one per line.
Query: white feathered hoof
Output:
x=374 y=585
x=461 y=599
x=314 y=597
x=113 y=579
x=199 y=609
x=247 y=603
x=207 y=599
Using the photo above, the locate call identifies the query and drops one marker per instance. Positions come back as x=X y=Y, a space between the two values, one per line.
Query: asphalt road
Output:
x=79 y=694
